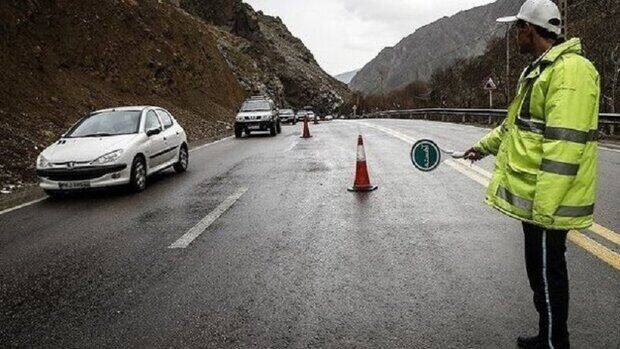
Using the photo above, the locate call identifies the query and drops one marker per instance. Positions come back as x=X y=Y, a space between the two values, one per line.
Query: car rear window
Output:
x=165 y=118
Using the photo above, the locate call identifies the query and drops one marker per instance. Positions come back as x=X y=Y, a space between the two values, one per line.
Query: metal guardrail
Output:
x=607 y=117
x=607 y=121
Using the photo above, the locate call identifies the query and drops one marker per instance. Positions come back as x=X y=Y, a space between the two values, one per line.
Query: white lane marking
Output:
x=209 y=144
x=204 y=224
x=609 y=149
x=46 y=197
x=22 y=205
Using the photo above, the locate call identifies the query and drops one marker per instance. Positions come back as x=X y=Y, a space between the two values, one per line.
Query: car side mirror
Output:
x=153 y=132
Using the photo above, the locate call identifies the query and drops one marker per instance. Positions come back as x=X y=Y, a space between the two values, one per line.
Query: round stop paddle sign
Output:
x=425 y=155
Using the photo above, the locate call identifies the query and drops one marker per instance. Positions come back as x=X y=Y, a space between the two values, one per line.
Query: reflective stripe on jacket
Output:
x=546 y=166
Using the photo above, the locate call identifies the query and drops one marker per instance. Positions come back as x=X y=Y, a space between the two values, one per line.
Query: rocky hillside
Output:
x=199 y=59
x=62 y=59
x=433 y=47
x=346 y=77
x=266 y=57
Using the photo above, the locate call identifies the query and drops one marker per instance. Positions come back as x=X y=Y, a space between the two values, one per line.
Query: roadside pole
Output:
x=490 y=86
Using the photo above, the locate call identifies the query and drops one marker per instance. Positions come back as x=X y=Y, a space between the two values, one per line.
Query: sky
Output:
x=344 y=35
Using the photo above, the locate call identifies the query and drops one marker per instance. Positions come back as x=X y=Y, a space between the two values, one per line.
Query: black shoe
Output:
x=529 y=342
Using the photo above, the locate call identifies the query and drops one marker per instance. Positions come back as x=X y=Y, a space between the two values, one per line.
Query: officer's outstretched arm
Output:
x=490 y=143
x=571 y=118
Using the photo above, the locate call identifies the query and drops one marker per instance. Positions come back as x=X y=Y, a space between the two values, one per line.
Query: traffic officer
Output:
x=546 y=160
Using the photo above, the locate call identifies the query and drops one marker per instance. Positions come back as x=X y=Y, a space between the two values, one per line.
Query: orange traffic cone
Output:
x=306 y=130
x=362 y=179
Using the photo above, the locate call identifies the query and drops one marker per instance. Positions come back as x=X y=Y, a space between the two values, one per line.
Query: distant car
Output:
x=328 y=117
x=257 y=113
x=288 y=115
x=110 y=147
x=301 y=115
x=311 y=115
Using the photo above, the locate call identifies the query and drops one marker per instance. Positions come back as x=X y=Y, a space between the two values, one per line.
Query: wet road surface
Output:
x=259 y=244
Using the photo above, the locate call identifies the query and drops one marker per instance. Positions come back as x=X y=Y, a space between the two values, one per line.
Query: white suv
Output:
x=258 y=114
x=112 y=147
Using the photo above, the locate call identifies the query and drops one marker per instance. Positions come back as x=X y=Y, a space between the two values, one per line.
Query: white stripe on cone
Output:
x=361 y=154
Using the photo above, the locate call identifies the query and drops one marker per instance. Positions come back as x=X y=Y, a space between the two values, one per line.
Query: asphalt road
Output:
x=278 y=253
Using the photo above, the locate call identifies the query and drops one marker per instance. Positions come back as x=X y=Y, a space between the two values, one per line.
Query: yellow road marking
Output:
x=606 y=233
x=464 y=170
x=483 y=177
x=478 y=169
x=595 y=248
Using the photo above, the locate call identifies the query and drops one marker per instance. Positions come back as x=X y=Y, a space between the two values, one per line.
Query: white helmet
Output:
x=543 y=13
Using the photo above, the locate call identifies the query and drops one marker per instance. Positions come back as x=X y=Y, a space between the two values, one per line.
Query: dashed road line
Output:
x=483 y=177
x=206 y=222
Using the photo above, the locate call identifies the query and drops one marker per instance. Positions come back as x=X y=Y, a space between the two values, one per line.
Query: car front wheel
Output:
x=137 y=180
x=273 y=129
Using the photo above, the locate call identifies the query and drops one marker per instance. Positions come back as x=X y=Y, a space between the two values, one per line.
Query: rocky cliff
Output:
x=433 y=47
x=266 y=57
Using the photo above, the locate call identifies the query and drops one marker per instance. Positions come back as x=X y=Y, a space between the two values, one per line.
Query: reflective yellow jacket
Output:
x=546 y=150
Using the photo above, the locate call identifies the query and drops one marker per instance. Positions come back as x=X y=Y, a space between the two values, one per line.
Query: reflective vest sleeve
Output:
x=571 y=107
x=490 y=143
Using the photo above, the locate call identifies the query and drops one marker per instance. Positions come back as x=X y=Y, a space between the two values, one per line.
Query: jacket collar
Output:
x=570 y=46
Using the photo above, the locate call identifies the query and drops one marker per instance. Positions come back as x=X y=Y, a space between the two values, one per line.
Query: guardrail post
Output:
x=612 y=130
x=490 y=120
x=463 y=119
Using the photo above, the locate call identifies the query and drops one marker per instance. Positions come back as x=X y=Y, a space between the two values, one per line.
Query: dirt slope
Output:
x=62 y=59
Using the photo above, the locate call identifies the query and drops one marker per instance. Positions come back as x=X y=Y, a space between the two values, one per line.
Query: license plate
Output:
x=74 y=185
x=254 y=127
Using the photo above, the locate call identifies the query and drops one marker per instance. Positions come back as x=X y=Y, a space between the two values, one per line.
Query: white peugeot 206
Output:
x=110 y=147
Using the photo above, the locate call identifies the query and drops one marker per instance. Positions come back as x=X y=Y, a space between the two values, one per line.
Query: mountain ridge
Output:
x=433 y=46
x=347 y=76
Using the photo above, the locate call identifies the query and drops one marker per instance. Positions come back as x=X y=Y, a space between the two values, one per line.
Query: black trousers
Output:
x=546 y=270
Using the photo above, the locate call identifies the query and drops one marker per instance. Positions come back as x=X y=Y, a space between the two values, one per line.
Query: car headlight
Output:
x=42 y=162
x=109 y=157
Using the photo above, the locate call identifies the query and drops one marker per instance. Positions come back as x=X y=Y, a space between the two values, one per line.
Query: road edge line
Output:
x=15 y=208
x=606 y=233
x=598 y=250
x=209 y=144
x=26 y=204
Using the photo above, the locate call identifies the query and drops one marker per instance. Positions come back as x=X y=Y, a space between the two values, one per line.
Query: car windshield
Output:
x=112 y=123
x=255 y=106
